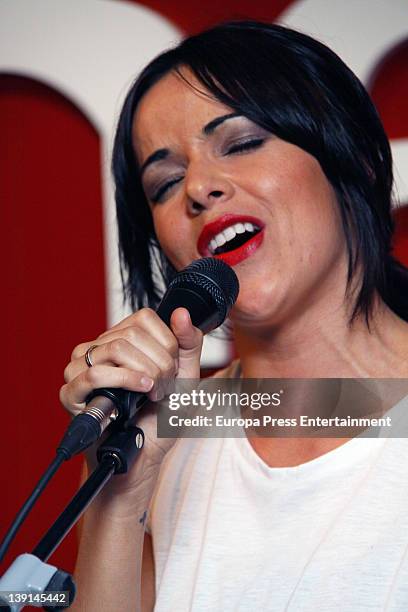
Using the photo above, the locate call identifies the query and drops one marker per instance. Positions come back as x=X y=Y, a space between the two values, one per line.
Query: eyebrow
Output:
x=207 y=130
x=210 y=127
x=154 y=157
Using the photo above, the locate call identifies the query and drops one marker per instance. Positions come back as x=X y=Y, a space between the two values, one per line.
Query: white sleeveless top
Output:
x=233 y=534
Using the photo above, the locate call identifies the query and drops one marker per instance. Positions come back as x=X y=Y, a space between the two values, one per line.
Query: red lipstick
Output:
x=239 y=254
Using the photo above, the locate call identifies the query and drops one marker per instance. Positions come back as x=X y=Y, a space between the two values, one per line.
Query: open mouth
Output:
x=231 y=237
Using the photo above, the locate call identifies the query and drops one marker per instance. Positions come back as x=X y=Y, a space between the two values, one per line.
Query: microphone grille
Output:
x=215 y=276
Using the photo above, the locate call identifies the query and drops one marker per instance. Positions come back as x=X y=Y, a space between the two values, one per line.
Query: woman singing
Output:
x=253 y=143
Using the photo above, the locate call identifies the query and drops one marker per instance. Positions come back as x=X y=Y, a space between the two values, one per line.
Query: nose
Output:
x=206 y=186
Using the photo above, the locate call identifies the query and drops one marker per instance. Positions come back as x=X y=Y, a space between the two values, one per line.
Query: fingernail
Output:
x=147 y=383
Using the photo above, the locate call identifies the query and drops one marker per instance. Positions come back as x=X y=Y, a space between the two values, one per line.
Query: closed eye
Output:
x=162 y=190
x=241 y=147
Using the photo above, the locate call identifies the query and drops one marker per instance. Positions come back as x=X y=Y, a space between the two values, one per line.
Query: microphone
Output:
x=208 y=288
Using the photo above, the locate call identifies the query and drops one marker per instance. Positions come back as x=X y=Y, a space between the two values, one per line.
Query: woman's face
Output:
x=207 y=172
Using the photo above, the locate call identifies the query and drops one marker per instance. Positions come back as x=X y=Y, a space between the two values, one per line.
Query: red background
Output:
x=53 y=291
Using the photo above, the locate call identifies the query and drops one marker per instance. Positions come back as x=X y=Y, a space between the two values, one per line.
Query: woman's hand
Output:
x=141 y=353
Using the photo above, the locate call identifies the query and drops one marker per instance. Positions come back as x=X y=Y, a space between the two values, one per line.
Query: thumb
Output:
x=190 y=340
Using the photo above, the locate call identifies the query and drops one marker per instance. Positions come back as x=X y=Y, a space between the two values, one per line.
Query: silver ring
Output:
x=88 y=358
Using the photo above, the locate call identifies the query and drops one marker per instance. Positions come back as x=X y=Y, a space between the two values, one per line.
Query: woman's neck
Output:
x=325 y=346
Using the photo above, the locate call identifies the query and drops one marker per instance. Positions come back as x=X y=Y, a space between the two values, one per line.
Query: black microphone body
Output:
x=208 y=288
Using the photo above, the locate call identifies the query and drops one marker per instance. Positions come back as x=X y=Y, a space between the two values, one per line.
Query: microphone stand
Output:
x=29 y=576
x=208 y=288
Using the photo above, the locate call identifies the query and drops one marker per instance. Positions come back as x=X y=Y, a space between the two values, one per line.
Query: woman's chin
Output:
x=254 y=313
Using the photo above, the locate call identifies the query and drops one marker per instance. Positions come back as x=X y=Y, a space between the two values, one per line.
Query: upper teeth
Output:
x=229 y=233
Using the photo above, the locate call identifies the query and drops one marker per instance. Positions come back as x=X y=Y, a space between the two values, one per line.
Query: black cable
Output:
x=83 y=430
x=23 y=513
